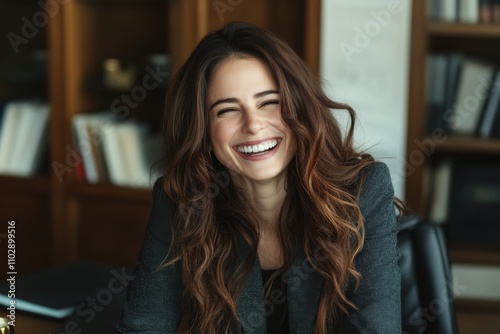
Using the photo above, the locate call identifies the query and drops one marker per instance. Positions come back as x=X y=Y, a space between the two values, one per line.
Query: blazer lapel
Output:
x=304 y=285
x=250 y=305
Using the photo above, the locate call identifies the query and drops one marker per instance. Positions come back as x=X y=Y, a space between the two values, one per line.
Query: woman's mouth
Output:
x=259 y=150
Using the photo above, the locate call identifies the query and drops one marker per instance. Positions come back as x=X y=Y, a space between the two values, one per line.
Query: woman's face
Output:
x=247 y=132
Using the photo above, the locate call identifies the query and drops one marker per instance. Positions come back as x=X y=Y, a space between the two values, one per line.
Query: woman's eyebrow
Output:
x=228 y=100
x=235 y=100
x=266 y=92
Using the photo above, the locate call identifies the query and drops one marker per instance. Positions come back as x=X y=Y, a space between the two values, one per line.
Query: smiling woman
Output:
x=302 y=236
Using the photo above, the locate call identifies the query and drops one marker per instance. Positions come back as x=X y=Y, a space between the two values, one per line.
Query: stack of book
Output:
x=23 y=136
x=467 y=11
x=463 y=96
x=466 y=197
x=122 y=153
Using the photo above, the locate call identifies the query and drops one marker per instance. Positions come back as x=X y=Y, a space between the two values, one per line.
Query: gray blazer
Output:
x=153 y=299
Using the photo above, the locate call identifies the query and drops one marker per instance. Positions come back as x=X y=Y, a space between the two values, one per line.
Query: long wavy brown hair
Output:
x=320 y=213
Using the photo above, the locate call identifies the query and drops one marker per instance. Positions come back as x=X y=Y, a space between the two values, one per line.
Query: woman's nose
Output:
x=252 y=122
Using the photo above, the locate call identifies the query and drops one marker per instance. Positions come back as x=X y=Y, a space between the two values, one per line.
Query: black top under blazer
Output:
x=153 y=300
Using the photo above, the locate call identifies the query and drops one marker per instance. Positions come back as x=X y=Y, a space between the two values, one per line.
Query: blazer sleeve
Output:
x=153 y=301
x=378 y=296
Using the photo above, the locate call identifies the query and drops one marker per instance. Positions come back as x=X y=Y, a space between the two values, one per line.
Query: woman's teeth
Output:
x=258 y=148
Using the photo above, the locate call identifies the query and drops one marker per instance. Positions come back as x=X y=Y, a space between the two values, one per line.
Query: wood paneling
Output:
x=30 y=209
x=416 y=107
x=111 y=231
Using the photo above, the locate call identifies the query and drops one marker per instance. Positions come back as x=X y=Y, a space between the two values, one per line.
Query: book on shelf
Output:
x=57 y=292
x=472 y=91
x=440 y=193
x=455 y=61
x=449 y=10
x=496 y=10
x=465 y=11
x=442 y=10
x=87 y=134
x=10 y=124
x=489 y=125
x=433 y=9
x=79 y=168
x=436 y=91
x=129 y=152
x=443 y=74
x=114 y=154
x=489 y=11
x=465 y=195
x=132 y=138
x=23 y=137
x=485 y=11
x=468 y=11
x=36 y=143
x=121 y=152
x=474 y=201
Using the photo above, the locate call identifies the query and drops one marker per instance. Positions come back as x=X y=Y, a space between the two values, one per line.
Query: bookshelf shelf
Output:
x=114 y=2
x=109 y=191
x=474 y=254
x=25 y=185
x=460 y=30
x=469 y=145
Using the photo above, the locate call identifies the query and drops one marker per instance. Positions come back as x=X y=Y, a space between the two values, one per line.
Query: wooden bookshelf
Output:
x=109 y=191
x=474 y=254
x=427 y=37
x=25 y=185
x=474 y=40
x=477 y=41
x=477 y=316
x=463 y=30
x=70 y=219
x=469 y=145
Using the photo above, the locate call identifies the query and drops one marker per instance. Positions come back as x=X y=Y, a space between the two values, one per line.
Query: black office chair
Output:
x=426 y=290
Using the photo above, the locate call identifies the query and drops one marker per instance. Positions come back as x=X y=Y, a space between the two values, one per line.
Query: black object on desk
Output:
x=89 y=293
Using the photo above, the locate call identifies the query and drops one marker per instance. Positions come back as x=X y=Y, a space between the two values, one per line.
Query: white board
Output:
x=364 y=62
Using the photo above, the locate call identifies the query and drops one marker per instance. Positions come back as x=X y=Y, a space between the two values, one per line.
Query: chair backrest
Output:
x=426 y=285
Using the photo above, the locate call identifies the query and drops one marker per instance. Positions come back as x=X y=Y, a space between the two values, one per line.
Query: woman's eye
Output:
x=270 y=104
x=225 y=112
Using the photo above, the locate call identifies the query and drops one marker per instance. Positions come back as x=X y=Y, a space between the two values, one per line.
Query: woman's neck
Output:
x=267 y=198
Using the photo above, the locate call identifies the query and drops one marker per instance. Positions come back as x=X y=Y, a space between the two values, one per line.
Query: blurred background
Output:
x=82 y=86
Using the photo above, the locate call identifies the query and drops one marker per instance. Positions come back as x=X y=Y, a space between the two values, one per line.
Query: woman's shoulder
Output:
x=375 y=174
x=375 y=185
x=162 y=212
x=160 y=196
